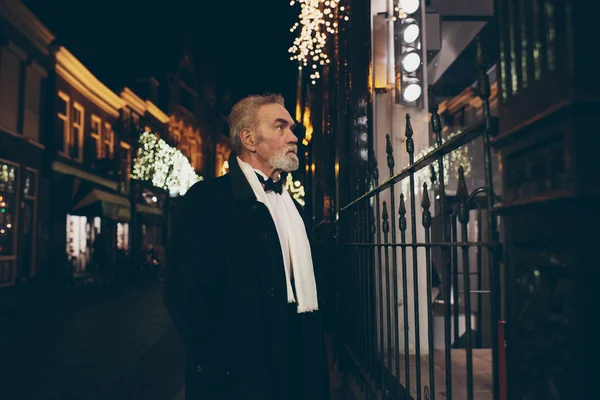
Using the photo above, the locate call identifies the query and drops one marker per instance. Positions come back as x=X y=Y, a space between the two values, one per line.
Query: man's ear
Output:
x=249 y=139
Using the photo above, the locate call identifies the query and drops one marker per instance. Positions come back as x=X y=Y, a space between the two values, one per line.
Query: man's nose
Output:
x=293 y=138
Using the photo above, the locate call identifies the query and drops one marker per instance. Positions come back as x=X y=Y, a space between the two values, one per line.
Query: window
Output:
x=64 y=117
x=193 y=152
x=109 y=141
x=32 y=108
x=186 y=99
x=185 y=148
x=29 y=220
x=176 y=136
x=30 y=186
x=123 y=236
x=9 y=178
x=126 y=120
x=195 y=155
x=136 y=122
x=97 y=135
x=10 y=73
x=75 y=149
x=125 y=166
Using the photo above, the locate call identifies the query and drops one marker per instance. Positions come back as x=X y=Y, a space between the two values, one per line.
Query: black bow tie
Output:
x=269 y=185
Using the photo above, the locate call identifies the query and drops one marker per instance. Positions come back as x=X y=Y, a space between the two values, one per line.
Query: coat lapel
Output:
x=240 y=187
x=267 y=247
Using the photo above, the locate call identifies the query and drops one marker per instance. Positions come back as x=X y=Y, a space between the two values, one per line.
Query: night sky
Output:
x=245 y=42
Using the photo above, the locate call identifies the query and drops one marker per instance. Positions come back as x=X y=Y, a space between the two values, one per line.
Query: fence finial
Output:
x=373 y=225
x=433 y=104
x=375 y=169
x=410 y=143
x=402 y=213
x=384 y=215
x=463 y=194
x=425 y=203
x=433 y=175
x=461 y=190
x=436 y=123
x=483 y=81
x=390 y=153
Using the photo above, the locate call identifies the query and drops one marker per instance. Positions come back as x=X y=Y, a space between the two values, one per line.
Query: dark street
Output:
x=406 y=179
x=101 y=343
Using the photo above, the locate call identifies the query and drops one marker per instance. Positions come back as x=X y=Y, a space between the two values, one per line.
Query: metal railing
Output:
x=387 y=303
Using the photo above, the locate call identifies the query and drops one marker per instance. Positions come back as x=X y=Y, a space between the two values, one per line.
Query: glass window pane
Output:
x=8 y=183
x=10 y=67
x=30 y=183
x=8 y=209
x=62 y=106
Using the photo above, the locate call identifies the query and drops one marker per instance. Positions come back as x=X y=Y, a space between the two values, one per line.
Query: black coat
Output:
x=226 y=293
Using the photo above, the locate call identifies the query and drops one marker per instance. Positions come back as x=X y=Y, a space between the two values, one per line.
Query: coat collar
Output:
x=240 y=187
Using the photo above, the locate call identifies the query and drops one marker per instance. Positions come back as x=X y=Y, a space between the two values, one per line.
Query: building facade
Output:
x=25 y=66
x=79 y=189
x=411 y=214
x=389 y=164
x=149 y=202
x=86 y=147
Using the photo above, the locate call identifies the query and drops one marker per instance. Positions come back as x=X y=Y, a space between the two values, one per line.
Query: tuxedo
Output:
x=225 y=290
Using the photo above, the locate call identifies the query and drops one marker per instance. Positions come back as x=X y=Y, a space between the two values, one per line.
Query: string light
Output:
x=317 y=20
x=452 y=162
x=163 y=165
x=295 y=189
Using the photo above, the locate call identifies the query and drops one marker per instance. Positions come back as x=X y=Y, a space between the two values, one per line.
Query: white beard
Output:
x=285 y=161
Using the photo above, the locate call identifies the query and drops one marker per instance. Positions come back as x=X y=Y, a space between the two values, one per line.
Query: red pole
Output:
x=503 y=389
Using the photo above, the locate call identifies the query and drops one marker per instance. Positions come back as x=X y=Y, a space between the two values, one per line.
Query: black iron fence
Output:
x=419 y=302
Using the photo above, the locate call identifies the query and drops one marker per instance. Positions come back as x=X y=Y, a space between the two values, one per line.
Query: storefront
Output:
x=9 y=212
x=98 y=228
x=18 y=226
x=81 y=238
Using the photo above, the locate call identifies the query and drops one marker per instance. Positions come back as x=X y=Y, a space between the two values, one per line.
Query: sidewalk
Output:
x=180 y=395
x=335 y=383
x=84 y=344
x=157 y=375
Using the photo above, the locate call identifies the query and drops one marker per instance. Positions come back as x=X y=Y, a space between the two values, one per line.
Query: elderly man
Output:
x=240 y=287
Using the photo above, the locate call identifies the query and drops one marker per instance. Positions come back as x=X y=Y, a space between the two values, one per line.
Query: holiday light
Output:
x=163 y=165
x=451 y=161
x=306 y=121
x=295 y=189
x=317 y=19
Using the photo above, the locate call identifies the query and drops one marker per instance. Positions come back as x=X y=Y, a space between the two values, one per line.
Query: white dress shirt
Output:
x=277 y=203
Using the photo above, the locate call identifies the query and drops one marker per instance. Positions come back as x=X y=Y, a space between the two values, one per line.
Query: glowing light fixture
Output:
x=317 y=19
x=411 y=33
x=410 y=66
x=409 y=6
x=412 y=92
x=411 y=61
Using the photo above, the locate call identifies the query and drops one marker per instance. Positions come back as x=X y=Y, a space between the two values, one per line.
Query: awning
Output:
x=148 y=210
x=68 y=170
x=107 y=204
x=111 y=205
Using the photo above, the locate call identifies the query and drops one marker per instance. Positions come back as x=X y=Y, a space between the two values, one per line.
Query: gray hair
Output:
x=243 y=115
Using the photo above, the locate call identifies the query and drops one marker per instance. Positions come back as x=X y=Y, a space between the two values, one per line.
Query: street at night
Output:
x=101 y=343
x=298 y=199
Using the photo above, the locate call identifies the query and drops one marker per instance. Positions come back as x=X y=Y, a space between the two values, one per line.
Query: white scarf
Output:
x=300 y=254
